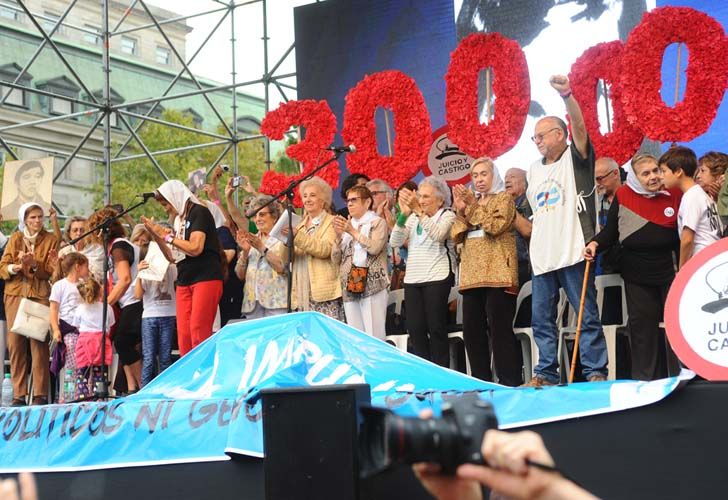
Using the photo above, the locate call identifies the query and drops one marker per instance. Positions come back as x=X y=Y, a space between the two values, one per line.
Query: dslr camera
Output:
x=386 y=439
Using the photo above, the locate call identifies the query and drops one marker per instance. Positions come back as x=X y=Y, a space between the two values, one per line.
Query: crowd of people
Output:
x=223 y=262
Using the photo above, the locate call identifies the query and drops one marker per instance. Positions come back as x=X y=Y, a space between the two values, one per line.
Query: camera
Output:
x=225 y=168
x=237 y=181
x=386 y=439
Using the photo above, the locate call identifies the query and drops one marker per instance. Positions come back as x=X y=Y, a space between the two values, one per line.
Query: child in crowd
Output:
x=698 y=223
x=159 y=320
x=88 y=346
x=64 y=300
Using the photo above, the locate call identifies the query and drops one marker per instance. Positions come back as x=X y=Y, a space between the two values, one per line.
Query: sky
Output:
x=215 y=60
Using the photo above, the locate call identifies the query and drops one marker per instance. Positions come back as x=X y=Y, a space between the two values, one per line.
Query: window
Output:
x=93 y=39
x=50 y=22
x=61 y=106
x=16 y=97
x=8 y=12
x=129 y=45
x=162 y=55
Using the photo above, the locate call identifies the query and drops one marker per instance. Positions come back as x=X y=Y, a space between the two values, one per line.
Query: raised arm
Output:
x=578 y=127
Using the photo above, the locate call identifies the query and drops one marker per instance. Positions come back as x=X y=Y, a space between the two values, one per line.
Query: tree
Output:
x=139 y=175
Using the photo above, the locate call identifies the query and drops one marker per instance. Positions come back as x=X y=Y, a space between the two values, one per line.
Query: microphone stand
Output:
x=289 y=194
x=101 y=389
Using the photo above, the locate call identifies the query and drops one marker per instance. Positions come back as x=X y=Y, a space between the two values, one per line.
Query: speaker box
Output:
x=310 y=441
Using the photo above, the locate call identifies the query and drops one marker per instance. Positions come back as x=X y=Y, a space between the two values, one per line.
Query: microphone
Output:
x=147 y=196
x=343 y=149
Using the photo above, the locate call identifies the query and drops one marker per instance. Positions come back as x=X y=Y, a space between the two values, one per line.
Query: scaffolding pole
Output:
x=103 y=108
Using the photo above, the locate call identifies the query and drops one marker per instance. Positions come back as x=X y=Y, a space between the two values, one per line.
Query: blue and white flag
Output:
x=206 y=406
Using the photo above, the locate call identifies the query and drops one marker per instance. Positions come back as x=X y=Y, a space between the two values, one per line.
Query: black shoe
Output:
x=40 y=401
x=18 y=402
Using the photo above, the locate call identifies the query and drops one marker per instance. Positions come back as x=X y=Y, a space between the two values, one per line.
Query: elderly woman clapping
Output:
x=425 y=222
x=361 y=253
x=316 y=283
x=27 y=264
x=488 y=273
x=262 y=263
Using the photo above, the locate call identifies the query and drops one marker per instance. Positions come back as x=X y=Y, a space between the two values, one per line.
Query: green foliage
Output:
x=283 y=163
x=139 y=175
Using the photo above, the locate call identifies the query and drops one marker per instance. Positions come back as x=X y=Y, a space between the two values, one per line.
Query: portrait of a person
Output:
x=27 y=186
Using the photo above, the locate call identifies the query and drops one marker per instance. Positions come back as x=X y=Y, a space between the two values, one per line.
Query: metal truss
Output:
x=102 y=109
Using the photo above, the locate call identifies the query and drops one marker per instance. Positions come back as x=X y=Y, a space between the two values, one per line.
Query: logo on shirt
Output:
x=549 y=195
x=669 y=212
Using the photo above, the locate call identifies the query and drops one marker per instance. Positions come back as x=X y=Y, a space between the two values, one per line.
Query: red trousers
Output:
x=196 y=310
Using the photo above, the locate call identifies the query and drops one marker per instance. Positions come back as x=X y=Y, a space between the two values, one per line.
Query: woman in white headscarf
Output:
x=27 y=264
x=361 y=242
x=195 y=247
x=488 y=273
x=642 y=220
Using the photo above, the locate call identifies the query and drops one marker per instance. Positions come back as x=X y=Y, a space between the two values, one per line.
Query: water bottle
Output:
x=69 y=386
x=7 y=391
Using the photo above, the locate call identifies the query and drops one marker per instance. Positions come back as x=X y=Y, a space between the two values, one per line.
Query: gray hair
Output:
x=261 y=200
x=69 y=223
x=380 y=185
x=323 y=188
x=440 y=187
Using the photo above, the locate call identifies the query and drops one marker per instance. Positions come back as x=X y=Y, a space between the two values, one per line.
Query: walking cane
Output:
x=578 y=320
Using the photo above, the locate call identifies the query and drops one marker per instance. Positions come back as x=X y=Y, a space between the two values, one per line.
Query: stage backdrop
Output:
x=339 y=42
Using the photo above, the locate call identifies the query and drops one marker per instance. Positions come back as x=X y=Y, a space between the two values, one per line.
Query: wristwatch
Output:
x=266 y=250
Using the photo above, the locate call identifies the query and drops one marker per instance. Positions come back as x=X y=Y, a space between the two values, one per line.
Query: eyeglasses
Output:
x=602 y=177
x=539 y=137
x=353 y=199
x=378 y=192
x=261 y=213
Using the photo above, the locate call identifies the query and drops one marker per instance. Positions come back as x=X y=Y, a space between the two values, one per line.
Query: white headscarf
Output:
x=498 y=185
x=636 y=186
x=217 y=214
x=22 y=211
x=177 y=195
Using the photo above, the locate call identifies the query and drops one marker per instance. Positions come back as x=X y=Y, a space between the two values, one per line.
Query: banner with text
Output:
x=207 y=405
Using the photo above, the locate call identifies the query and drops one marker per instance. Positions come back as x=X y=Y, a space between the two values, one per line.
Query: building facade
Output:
x=142 y=65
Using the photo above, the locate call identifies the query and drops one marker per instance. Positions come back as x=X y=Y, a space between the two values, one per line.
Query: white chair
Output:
x=524 y=333
x=568 y=332
x=609 y=327
x=396 y=297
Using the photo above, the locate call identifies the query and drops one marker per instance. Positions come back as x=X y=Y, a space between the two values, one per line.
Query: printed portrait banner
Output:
x=26 y=181
x=207 y=406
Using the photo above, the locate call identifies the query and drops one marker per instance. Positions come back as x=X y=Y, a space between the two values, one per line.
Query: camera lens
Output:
x=411 y=440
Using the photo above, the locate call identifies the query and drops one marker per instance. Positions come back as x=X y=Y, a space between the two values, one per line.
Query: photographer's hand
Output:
x=509 y=472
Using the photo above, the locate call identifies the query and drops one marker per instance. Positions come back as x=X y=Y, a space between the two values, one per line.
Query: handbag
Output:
x=356 y=282
x=32 y=320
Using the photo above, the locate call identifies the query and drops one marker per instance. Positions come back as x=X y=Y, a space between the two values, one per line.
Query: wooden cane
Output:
x=578 y=320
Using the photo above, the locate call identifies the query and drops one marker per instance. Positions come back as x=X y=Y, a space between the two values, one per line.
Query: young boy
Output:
x=698 y=223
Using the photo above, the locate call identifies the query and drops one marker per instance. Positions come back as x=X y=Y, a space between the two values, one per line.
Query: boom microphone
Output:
x=343 y=149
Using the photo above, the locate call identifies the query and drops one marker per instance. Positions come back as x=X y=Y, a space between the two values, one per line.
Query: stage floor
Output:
x=671 y=449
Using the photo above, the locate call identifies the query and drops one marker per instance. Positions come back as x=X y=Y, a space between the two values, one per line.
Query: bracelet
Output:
x=265 y=251
x=169 y=238
x=565 y=95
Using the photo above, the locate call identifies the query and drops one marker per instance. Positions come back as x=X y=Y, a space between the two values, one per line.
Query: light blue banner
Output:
x=206 y=405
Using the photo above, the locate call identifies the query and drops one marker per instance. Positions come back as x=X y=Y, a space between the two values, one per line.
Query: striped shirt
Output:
x=427 y=259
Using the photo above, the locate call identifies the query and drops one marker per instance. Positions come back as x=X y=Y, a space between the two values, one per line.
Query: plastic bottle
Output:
x=69 y=386
x=7 y=391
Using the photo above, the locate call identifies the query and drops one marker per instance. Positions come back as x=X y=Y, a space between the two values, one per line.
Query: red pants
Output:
x=196 y=310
